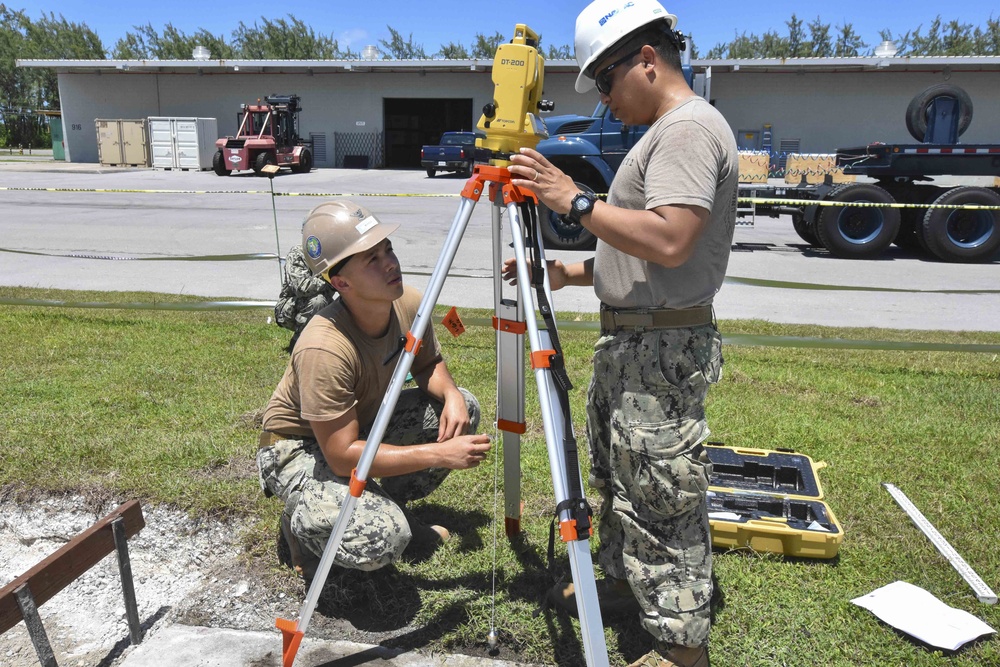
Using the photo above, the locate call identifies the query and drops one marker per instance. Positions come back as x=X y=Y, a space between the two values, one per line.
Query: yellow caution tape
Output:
x=743 y=200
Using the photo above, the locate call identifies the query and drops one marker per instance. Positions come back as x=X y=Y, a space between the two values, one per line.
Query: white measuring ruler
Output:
x=982 y=591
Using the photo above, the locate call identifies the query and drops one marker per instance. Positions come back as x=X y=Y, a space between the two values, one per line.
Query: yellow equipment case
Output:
x=770 y=501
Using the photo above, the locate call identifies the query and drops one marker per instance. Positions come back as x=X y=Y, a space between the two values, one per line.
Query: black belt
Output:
x=614 y=320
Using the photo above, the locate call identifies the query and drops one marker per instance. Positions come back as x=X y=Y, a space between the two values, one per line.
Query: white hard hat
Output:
x=604 y=23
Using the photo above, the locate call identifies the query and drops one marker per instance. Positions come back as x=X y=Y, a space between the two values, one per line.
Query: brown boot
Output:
x=675 y=656
x=614 y=595
x=425 y=541
x=292 y=554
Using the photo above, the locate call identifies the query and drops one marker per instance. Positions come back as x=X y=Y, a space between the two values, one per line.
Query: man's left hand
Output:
x=454 y=418
x=532 y=171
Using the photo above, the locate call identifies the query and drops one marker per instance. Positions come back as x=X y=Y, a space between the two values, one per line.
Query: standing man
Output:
x=664 y=238
x=318 y=418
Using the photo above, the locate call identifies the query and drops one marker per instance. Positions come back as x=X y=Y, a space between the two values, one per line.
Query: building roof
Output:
x=220 y=66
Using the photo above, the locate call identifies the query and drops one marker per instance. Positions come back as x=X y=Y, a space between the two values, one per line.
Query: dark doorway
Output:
x=412 y=123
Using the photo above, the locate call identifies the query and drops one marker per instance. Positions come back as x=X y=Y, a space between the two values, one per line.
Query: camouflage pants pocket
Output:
x=663 y=473
x=281 y=467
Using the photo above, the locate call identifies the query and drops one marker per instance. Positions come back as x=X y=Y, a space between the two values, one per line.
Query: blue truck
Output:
x=916 y=208
x=456 y=151
x=589 y=149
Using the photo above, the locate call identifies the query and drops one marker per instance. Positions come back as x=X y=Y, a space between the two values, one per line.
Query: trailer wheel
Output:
x=857 y=232
x=559 y=235
x=804 y=224
x=305 y=162
x=957 y=235
x=916 y=112
x=219 y=165
x=261 y=161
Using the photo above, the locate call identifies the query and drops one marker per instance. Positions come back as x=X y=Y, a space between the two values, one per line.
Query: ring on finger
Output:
x=536 y=176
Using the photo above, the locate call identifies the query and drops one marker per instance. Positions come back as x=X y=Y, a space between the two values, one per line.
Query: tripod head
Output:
x=510 y=121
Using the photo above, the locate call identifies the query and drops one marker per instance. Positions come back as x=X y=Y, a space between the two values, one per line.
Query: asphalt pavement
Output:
x=184 y=232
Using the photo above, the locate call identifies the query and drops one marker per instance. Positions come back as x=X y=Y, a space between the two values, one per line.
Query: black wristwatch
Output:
x=581 y=205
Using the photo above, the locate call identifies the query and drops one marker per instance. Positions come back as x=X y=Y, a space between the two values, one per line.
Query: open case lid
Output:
x=765 y=471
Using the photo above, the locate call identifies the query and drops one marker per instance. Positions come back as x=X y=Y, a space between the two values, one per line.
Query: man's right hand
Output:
x=465 y=451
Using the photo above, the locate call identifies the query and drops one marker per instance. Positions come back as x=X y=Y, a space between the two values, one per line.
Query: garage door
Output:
x=411 y=123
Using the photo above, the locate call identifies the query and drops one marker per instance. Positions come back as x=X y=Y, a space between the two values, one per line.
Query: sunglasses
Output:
x=603 y=78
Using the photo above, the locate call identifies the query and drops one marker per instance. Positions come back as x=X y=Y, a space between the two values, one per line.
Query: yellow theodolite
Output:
x=510 y=121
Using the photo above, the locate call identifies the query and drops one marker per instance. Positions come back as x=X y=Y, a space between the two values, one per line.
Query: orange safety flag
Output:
x=453 y=323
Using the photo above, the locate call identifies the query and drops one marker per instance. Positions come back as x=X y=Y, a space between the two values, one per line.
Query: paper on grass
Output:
x=918 y=613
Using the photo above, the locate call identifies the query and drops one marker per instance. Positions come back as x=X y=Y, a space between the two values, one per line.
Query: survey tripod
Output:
x=509 y=122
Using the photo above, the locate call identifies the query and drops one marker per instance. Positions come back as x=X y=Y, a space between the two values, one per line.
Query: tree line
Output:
x=25 y=94
x=815 y=40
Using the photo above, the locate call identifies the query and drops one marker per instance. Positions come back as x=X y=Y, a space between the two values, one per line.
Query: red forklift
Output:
x=268 y=134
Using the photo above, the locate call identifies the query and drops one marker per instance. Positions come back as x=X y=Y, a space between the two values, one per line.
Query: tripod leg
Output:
x=563 y=478
x=292 y=634
x=509 y=324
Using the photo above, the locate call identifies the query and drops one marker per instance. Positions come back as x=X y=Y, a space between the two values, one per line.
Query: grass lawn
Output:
x=160 y=406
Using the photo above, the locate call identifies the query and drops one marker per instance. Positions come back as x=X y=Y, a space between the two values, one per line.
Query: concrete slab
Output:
x=190 y=646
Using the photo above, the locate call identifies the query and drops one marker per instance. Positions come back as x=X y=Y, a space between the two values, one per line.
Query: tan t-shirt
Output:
x=688 y=156
x=335 y=367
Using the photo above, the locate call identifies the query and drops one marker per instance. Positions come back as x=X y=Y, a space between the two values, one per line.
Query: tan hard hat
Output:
x=335 y=230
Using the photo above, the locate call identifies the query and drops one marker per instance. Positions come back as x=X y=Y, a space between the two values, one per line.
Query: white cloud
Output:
x=354 y=37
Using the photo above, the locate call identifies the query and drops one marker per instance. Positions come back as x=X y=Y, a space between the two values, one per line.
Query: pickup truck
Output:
x=455 y=152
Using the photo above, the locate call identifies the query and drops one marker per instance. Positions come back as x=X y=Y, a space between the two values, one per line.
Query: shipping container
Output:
x=183 y=143
x=122 y=142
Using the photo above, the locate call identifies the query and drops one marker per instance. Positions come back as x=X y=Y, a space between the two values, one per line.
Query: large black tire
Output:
x=857 y=232
x=219 y=165
x=261 y=161
x=956 y=235
x=805 y=225
x=559 y=235
x=430 y=173
x=916 y=112
x=305 y=162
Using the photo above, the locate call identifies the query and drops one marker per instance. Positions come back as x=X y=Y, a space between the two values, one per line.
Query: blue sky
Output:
x=436 y=22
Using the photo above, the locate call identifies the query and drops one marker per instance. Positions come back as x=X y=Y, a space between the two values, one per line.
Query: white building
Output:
x=383 y=110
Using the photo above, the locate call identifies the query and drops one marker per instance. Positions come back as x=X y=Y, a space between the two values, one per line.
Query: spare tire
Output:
x=859 y=231
x=916 y=112
x=963 y=235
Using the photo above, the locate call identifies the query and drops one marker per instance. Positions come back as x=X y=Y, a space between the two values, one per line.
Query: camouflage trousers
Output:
x=380 y=528
x=646 y=424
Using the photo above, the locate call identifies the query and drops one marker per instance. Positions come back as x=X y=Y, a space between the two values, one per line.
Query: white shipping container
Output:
x=182 y=143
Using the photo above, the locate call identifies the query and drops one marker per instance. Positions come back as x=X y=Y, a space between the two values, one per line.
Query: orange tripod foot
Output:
x=290 y=640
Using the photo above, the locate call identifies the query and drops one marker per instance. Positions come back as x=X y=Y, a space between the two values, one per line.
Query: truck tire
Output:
x=916 y=112
x=305 y=162
x=261 y=161
x=857 y=232
x=430 y=173
x=804 y=224
x=219 y=165
x=559 y=235
x=955 y=235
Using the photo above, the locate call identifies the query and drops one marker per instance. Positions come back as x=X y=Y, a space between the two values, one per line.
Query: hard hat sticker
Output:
x=366 y=224
x=313 y=247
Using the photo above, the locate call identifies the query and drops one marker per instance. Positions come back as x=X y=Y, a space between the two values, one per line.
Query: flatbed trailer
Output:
x=903 y=206
x=906 y=198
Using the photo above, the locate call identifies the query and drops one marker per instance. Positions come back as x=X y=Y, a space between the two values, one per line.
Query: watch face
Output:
x=581 y=203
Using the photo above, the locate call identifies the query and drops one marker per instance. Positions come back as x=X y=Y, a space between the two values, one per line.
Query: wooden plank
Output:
x=74 y=558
